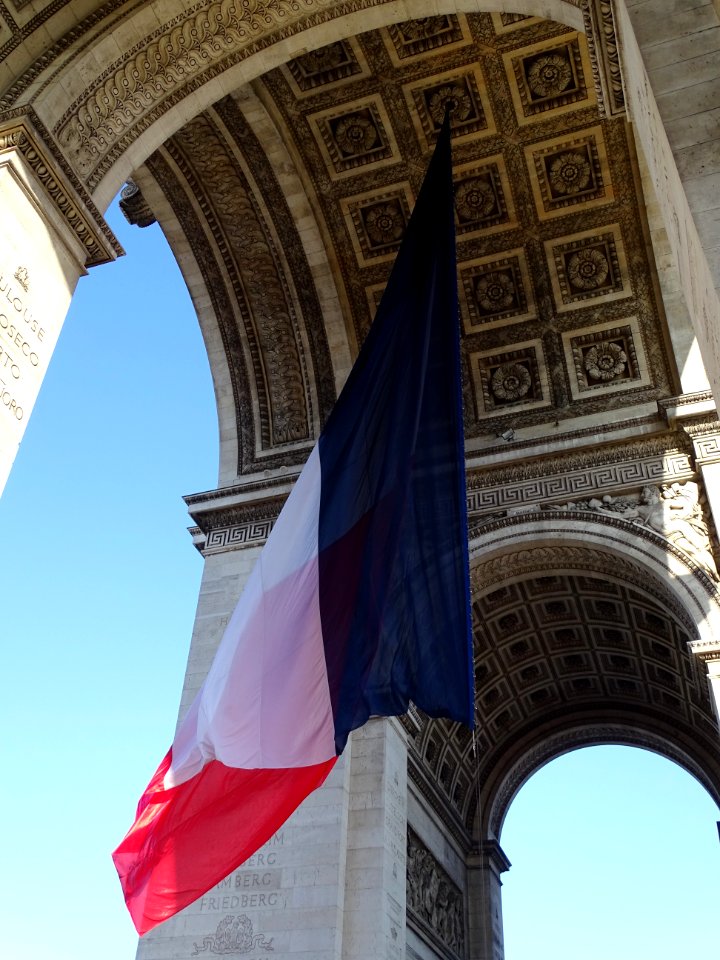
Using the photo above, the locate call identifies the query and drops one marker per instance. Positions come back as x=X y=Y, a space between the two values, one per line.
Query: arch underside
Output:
x=577 y=649
x=286 y=201
x=290 y=197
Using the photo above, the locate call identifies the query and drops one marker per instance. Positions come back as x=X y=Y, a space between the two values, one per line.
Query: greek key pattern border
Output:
x=502 y=495
x=250 y=534
x=576 y=483
x=707 y=449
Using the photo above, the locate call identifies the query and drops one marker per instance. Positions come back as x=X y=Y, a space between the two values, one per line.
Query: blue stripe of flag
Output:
x=393 y=560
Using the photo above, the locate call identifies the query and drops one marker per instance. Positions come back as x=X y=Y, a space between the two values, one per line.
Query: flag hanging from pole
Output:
x=359 y=602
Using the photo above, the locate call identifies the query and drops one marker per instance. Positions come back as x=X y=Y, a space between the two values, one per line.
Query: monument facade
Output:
x=280 y=145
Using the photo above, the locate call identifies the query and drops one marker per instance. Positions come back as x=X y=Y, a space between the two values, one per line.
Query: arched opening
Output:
x=548 y=427
x=614 y=852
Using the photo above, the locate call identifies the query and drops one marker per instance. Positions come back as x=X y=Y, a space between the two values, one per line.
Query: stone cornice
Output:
x=242 y=514
x=22 y=131
x=687 y=405
x=707 y=651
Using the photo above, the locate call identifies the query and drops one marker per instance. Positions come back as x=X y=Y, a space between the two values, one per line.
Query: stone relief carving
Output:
x=234 y=935
x=569 y=173
x=433 y=898
x=511 y=381
x=549 y=75
x=260 y=281
x=605 y=361
x=588 y=269
x=672 y=510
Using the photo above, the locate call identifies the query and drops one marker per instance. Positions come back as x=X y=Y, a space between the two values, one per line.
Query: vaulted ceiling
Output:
x=294 y=192
x=285 y=203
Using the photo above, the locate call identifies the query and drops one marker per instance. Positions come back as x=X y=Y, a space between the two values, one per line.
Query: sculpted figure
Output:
x=675 y=513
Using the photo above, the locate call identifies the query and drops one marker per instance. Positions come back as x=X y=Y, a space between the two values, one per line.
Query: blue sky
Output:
x=615 y=852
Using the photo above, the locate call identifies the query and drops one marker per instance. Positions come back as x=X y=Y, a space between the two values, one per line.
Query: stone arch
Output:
x=109 y=113
x=584 y=630
x=555 y=544
x=511 y=544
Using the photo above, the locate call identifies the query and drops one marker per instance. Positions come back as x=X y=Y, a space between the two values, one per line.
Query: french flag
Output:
x=358 y=604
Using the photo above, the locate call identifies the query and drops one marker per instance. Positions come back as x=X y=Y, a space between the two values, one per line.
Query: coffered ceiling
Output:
x=560 y=313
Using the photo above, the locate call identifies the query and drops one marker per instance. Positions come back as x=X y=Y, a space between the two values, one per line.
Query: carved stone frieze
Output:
x=624 y=467
x=435 y=903
x=674 y=511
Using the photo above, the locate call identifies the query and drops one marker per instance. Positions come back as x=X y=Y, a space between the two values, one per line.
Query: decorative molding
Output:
x=498 y=569
x=166 y=66
x=568 y=478
x=492 y=493
x=232 y=525
x=689 y=405
x=72 y=37
x=252 y=533
x=708 y=651
x=24 y=132
x=604 y=56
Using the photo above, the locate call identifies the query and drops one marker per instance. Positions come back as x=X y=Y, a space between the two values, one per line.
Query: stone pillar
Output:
x=485 y=902
x=375 y=881
x=285 y=903
x=330 y=885
x=51 y=232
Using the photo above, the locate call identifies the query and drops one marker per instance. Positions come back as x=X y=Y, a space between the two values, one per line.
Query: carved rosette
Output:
x=605 y=361
x=549 y=75
x=511 y=381
x=588 y=269
x=569 y=173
